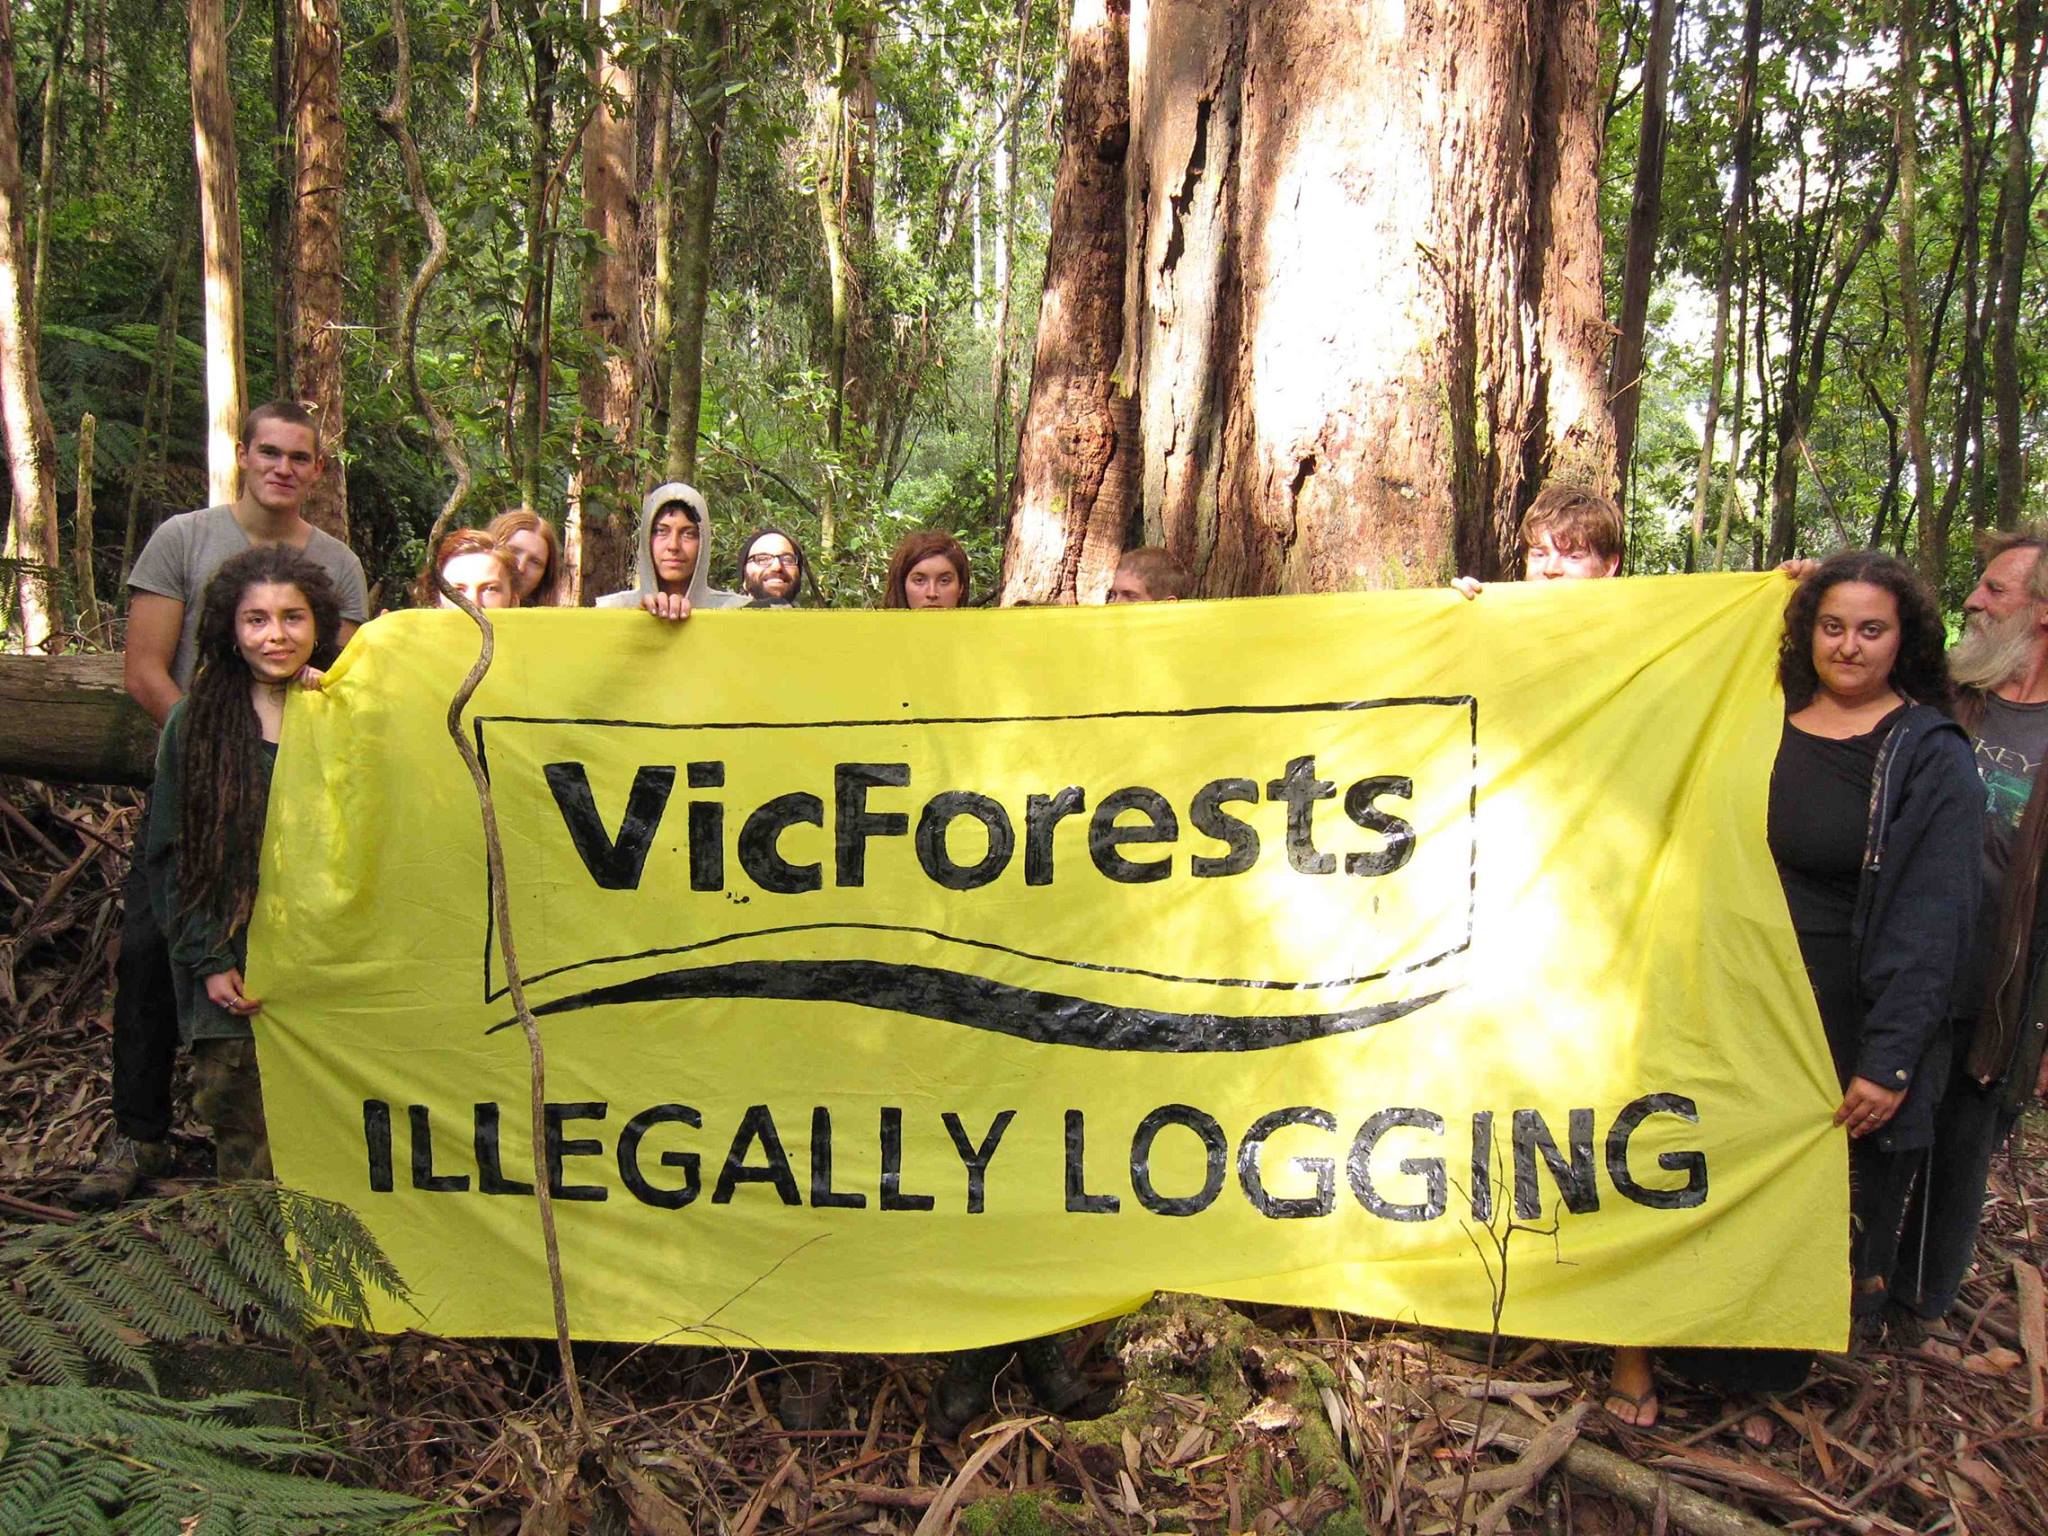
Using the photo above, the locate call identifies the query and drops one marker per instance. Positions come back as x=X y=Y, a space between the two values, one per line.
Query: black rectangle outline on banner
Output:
x=1465 y=701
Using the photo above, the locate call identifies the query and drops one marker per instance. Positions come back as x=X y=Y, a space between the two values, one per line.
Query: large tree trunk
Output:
x=322 y=169
x=220 y=222
x=2016 y=202
x=284 y=277
x=1363 y=321
x=1071 y=501
x=31 y=448
x=1645 y=220
x=611 y=319
x=702 y=128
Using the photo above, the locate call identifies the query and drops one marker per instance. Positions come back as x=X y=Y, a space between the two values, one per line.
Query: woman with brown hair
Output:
x=268 y=615
x=928 y=569
x=529 y=541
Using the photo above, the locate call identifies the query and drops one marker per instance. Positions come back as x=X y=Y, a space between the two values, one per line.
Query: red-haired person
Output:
x=474 y=564
x=927 y=569
x=528 y=539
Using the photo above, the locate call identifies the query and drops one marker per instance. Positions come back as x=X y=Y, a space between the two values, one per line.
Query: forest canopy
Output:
x=794 y=253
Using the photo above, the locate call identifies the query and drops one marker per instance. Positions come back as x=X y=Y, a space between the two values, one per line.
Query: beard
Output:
x=1993 y=651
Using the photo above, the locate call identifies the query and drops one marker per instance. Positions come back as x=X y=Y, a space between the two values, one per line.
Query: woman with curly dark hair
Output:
x=268 y=616
x=1876 y=824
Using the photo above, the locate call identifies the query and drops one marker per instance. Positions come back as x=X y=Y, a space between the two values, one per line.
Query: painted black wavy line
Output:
x=1024 y=1013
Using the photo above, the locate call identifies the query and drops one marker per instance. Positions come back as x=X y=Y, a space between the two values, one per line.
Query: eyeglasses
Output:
x=788 y=560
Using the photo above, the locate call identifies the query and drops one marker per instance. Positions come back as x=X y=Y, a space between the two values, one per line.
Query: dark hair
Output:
x=803 y=561
x=1921 y=671
x=1577 y=518
x=226 y=789
x=288 y=411
x=914 y=548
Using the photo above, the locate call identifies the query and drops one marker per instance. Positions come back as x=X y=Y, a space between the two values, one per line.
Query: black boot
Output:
x=1056 y=1386
x=965 y=1390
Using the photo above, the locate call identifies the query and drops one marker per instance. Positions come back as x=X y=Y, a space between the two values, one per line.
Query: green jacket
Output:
x=201 y=946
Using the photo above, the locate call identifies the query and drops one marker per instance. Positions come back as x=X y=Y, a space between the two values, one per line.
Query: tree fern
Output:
x=196 y=1266
x=81 y=1302
x=83 y=1459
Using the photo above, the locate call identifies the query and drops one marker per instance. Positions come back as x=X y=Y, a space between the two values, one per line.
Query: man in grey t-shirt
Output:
x=280 y=462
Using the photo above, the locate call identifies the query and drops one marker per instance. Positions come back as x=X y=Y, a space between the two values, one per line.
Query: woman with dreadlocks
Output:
x=267 y=615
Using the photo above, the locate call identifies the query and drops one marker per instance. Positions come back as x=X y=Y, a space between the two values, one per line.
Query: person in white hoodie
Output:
x=671 y=574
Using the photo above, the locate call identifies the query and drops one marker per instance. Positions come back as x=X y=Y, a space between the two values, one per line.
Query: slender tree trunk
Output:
x=657 y=245
x=1731 y=236
x=2016 y=198
x=1363 y=322
x=611 y=316
x=213 y=143
x=31 y=446
x=1967 y=442
x=322 y=170
x=1071 y=500
x=1931 y=530
x=1806 y=365
x=1731 y=495
x=703 y=139
x=156 y=396
x=81 y=531
x=284 y=273
x=46 y=174
x=530 y=360
x=833 y=151
x=1645 y=222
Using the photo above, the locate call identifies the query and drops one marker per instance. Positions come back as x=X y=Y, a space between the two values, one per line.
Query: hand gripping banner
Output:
x=919 y=980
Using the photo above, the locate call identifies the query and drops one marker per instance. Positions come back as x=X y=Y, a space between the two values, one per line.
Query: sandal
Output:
x=1643 y=1407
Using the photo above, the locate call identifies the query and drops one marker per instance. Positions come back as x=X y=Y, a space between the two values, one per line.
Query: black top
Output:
x=1819 y=828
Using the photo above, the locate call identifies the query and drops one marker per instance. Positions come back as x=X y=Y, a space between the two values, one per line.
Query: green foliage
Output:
x=79 y=1304
x=77 y=1459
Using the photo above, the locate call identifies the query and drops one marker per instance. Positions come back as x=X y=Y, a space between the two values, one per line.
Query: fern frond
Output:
x=75 y=1458
x=192 y=1267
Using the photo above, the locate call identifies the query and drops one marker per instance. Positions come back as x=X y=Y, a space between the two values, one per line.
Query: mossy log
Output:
x=69 y=719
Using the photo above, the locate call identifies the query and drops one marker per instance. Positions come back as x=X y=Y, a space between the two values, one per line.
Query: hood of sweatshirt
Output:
x=702 y=593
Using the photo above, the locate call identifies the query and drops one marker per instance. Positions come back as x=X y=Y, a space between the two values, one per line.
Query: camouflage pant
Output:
x=228 y=1095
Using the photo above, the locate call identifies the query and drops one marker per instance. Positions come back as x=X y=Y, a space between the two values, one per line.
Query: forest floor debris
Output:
x=1231 y=1419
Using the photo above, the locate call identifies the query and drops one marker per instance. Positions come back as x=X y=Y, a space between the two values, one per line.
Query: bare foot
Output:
x=1632 y=1390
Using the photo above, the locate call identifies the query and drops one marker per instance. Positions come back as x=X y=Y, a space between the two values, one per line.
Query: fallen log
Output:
x=69 y=719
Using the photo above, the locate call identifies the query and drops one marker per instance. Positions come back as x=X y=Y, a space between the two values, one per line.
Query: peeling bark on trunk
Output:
x=1363 y=315
x=1070 y=503
x=213 y=145
x=319 y=318
x=611 y=322
x=31 y=447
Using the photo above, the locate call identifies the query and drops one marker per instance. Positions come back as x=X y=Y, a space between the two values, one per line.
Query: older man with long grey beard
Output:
x=2000 y=667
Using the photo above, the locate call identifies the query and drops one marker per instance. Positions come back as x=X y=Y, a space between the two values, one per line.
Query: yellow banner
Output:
x=911 y=981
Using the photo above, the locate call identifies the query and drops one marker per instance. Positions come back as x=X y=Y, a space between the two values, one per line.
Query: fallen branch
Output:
x=2033 y=1333
x=1641 y=1487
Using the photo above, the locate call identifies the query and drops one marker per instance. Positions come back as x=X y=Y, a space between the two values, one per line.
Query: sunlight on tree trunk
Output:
x=31 y=448
x=213 y=145
x=1364 y=323
x=1645 y=221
